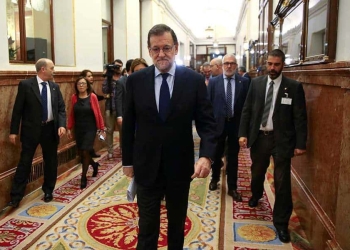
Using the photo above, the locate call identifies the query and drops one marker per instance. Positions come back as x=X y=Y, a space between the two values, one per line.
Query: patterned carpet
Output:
x=252 y=228
x=100 y=217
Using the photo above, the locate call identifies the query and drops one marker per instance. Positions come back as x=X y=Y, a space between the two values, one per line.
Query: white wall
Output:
x=105 y=10
x=88 y=35
x=155 y=12
x=127 y=42
x=343 y=46
x=64 y=35
x=248 y=30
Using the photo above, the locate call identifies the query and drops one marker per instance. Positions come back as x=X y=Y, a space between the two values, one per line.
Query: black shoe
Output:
x=283 y=235
x=13 y=204
x=95 y=166
x=213 y=185
x=83 y=182
x=235 y=195
x=94 y=155
x=48 y=197
x=253 y=202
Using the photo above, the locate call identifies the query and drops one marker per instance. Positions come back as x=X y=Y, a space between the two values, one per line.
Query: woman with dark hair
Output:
x=138 y=64
x=85 y=116
x=87 y=74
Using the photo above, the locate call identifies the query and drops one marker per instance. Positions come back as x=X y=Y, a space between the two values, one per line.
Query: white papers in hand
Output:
x=131 y=192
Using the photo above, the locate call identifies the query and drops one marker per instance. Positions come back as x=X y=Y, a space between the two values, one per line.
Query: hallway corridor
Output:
x=99 y=217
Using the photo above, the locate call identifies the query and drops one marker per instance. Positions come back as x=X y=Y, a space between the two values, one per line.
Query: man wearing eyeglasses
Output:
x=158 y=148
x=227 y=92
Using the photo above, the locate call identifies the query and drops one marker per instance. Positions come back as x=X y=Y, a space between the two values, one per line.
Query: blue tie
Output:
x=44 y=101
x=164 y=97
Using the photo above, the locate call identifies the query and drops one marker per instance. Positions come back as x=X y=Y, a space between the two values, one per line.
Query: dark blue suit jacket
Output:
x=217 y=96
x=150 y=143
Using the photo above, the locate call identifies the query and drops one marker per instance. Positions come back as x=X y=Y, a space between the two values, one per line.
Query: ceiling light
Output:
x=209 y=32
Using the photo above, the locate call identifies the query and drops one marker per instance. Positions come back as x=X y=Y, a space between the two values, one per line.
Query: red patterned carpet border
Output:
x=24 y=224
x=252 y=227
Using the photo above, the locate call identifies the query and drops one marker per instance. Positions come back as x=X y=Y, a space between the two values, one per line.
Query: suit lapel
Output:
x=238 y=88
x=221 y=88
x=262 y=85
x=35 y=88
x=280 y=94
x=179 y=83
x=52 y=90
x=150 y=91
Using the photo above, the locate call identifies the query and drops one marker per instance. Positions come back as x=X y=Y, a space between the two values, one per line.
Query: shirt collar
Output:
x=171 y=71
x=40 y=80
x=232 y=77
x=277 y=81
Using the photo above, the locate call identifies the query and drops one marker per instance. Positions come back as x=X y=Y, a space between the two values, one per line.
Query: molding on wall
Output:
x=321 y=215
x=331 y=74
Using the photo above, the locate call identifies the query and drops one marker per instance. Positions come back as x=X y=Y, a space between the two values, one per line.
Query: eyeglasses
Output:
x=165 y=49
x=81 y=83
x=229 y=63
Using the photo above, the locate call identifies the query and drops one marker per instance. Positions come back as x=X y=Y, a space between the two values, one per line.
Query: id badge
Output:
x=286 y=100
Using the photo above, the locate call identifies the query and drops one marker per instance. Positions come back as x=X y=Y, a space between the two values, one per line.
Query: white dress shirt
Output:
x=49 y=106
x=276 y=86
x=158 y=82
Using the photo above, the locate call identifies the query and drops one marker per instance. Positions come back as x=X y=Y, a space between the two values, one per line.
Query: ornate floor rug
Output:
x=22 y=226
x=106 y=220
x=252 y=228
x=100 y=217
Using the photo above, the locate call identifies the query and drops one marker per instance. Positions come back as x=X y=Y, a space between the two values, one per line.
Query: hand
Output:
x=128 y=171
x=299 y=152
x=69 y=134
x=120 y=121
x=202 y=168
x=13 y=138
x=61 y=131
x=103 y=133
x=243 y=141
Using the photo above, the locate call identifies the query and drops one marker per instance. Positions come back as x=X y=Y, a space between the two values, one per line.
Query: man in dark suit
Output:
x=227 y=93
x=121 y=93
x=243 y=72
x=40 y=109
x=274 y=122
x=158 y=148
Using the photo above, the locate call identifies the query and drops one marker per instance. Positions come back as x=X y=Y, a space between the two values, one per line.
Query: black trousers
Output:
x=231 y=156
x=261 y=151
x=149 y=201
x=49 y=146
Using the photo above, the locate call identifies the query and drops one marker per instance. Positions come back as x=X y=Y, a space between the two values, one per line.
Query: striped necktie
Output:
x=268 y=103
